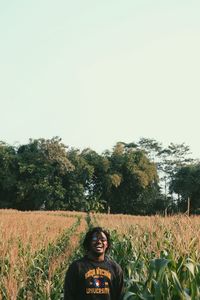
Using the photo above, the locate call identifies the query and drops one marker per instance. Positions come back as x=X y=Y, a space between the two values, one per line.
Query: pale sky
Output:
x=95 y=72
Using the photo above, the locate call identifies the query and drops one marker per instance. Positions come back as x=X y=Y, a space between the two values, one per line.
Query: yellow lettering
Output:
x=98 y=271
x=90 y=273
x=97 y=290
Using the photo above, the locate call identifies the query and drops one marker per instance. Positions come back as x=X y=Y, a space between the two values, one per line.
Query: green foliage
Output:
x=132 y=175
x=38 y=274
x=168 y=277
x=163 y=275
x=186 y=183
x=168 y=160
x=41 y=165
x=45 y=174
x=8 y=175
x=77 y=182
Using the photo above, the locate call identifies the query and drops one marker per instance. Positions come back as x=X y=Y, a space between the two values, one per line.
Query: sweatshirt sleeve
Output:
x=120 y=284
x=70 y=285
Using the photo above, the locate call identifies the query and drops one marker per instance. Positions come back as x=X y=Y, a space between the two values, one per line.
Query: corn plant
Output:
x=38 y=272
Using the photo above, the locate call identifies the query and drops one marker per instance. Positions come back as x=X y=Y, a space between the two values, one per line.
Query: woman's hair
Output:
x=89 y=235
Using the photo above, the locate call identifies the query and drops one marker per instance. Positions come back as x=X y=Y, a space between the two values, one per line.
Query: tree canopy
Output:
x=135 y=178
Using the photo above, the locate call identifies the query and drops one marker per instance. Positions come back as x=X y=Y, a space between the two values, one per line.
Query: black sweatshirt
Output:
x=90 y=280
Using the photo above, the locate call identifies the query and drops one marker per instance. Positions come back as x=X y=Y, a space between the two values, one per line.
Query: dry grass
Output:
x=34 y=230
x=179 y=232
x=21 y=235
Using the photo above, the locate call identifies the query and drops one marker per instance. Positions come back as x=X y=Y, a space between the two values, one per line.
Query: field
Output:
x=160 y=256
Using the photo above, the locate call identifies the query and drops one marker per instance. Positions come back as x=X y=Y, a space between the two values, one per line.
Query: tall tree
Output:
x=132 y=173
x=186 y=183
x=77 y=181
x=168 y=159
x=151 y=147
x=8 y=178
x=99 y=181
x=41 y=165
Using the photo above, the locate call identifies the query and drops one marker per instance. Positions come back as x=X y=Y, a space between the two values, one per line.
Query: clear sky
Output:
x=96 y=72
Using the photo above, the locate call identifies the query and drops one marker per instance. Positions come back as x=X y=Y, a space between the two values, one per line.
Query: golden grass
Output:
x=21 y=235
x=34 y=229
x=156 y=232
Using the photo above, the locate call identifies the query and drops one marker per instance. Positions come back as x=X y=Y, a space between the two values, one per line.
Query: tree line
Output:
x=141 y=177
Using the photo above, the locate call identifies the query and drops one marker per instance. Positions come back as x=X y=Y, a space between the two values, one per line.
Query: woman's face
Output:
x=98 y=244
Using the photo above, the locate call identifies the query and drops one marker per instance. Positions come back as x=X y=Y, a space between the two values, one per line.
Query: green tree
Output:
x=41 y=165
x=131 y=173
x=151 y=147
x=99 y=182
x=8 y=179
x=186 y=183
x=77 y=181
x=168 y=159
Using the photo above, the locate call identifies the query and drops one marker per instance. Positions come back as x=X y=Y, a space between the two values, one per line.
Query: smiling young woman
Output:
x=95 y=276
x=98 y=246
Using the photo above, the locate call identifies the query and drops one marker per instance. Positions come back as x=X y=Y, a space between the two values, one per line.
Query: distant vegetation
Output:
x=135 y=178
